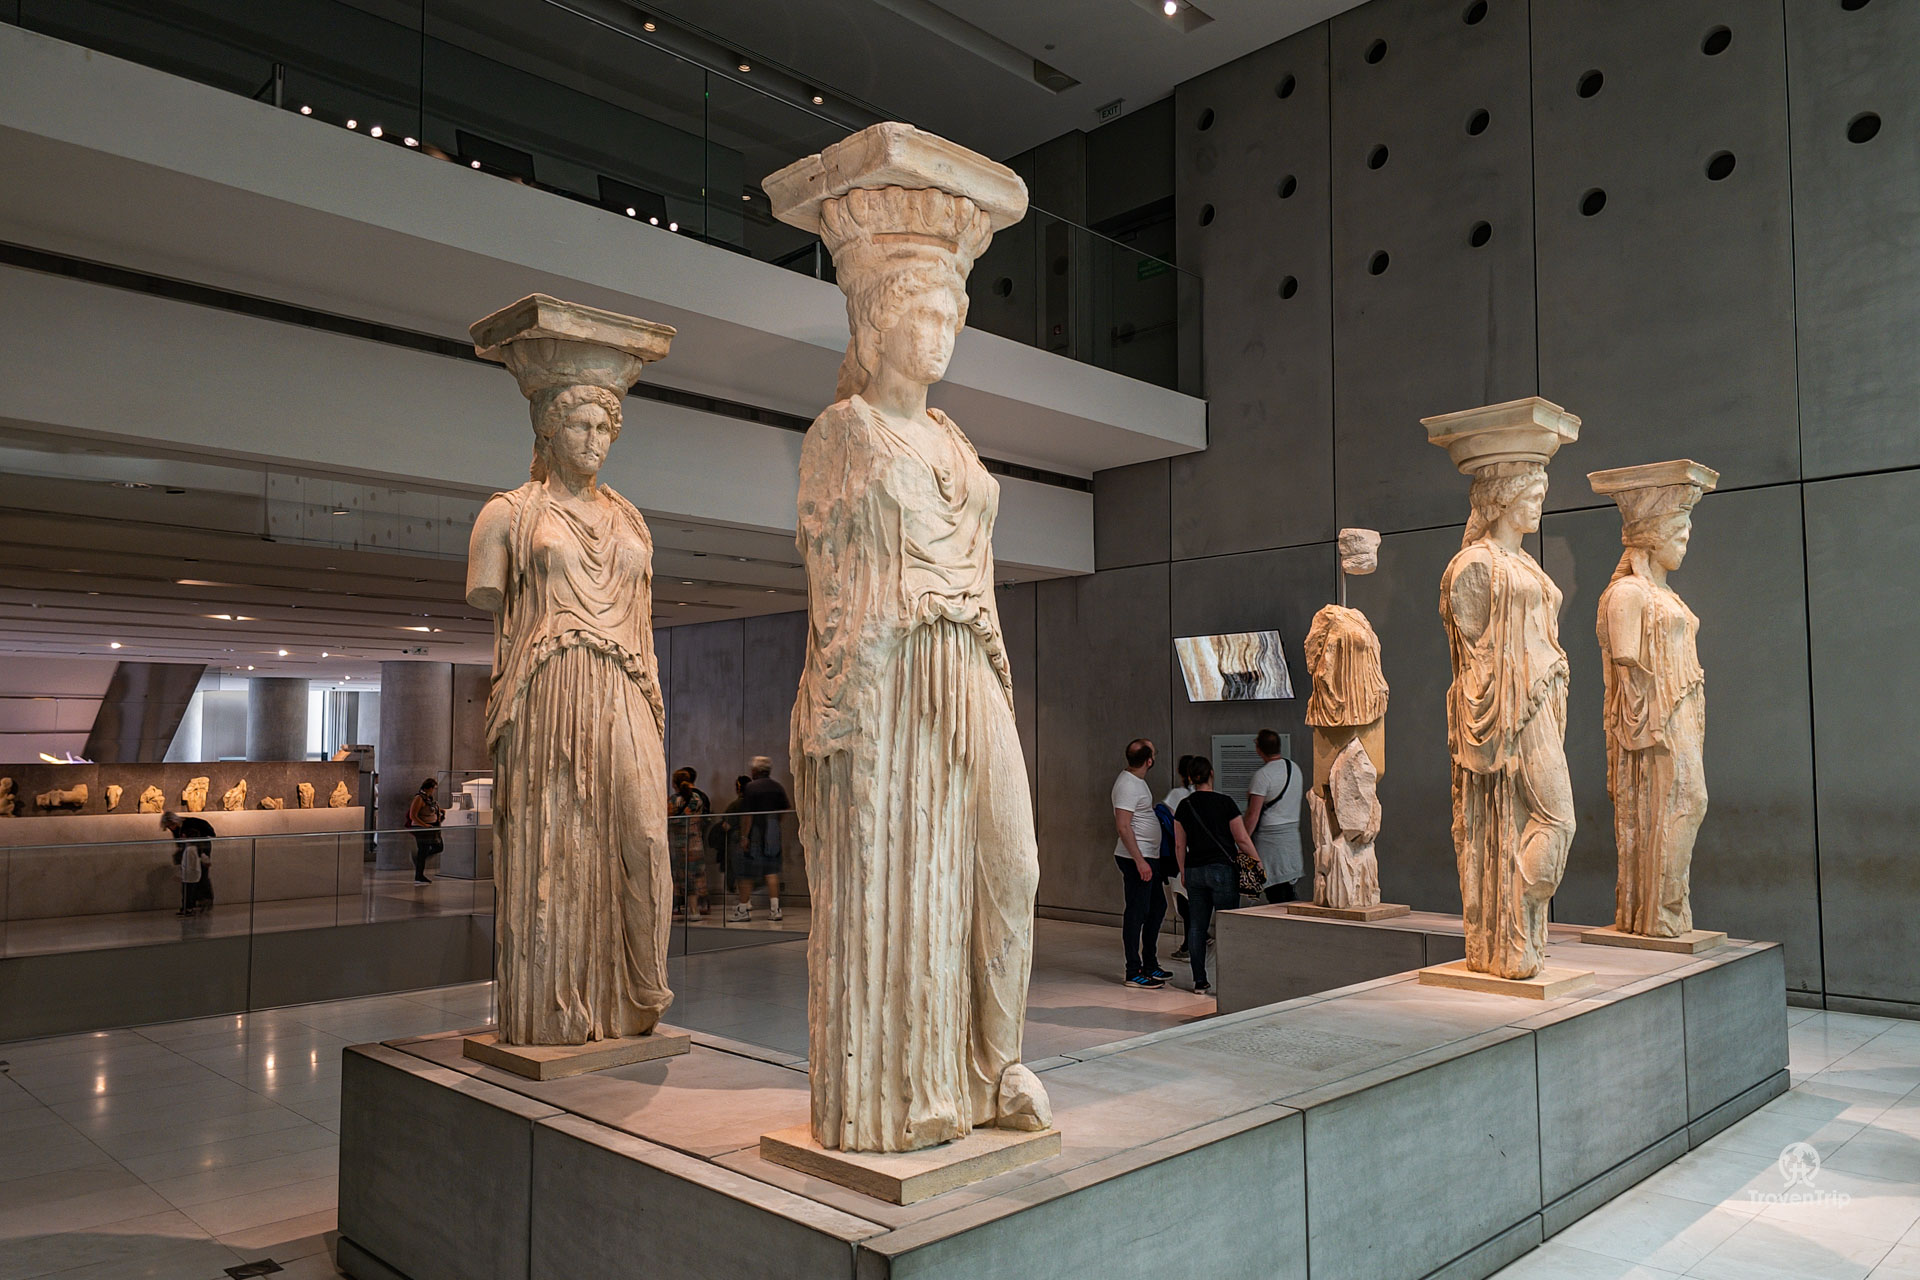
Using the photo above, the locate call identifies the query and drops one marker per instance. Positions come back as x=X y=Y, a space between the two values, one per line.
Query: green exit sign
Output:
x=1148 y=268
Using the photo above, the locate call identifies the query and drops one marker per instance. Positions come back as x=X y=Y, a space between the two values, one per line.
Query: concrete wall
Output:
x=1761 y=323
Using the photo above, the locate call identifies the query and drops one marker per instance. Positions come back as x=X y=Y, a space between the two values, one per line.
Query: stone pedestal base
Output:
x=552 y=1061
x=1378 y=911
x=1692 y=942
x=907 y=1177
x=1548 y=984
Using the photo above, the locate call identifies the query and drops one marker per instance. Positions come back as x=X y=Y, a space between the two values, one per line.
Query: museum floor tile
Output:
x=179 y=1150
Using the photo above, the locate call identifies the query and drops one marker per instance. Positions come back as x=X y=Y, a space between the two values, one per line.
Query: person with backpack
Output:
x=425 y=815
x=1273 y=816
x=1208 y=833
x=1137 y=855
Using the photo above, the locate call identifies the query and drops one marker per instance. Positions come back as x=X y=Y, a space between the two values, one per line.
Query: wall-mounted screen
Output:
x=1241 y=667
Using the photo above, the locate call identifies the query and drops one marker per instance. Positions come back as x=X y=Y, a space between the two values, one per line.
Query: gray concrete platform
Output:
x=1266 y=954
x=1382 y=1131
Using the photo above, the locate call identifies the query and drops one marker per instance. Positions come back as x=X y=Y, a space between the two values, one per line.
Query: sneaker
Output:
x=739 y=914
x=421 y=880
x=1180 y=952
x=1203 y=989
x=1162 y=974
x=776 y=914
x=1145 y=983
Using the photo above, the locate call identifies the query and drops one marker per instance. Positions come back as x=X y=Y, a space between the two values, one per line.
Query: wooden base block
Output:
x=1548 y=984
x=552 y=1061
x=1378 y=911
x=1692 y=942
x=907 y=1177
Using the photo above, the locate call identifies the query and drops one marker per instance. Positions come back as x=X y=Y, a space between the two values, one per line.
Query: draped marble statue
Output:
x=1655 y=712
x=1513 y=817
x=574 y=715
x=909 y=780
x=1347 y=709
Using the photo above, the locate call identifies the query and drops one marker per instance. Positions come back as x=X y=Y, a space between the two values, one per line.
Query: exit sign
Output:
x=1109 y=112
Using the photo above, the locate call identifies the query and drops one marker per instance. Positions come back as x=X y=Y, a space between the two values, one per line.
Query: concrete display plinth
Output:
x=1690 y=943
x=1549 y=984
x=552 y=1061
x=1283 y=1141
x=1378 y=911
x=907 y=1177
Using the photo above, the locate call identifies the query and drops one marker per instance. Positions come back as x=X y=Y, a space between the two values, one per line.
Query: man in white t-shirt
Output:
x=1137 y=854
x=1273 y=815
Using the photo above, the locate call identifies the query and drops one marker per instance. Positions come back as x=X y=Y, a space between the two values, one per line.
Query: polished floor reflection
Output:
x=176 y=1151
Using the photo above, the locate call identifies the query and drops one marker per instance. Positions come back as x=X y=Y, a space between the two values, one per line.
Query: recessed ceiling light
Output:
x=673 y=226
x=306 y=111
x=747 y=196
x=249 y=666
x=283 y=653
x=340 y=511
x=474 y=163
x=648 y=26
x=353 y=124
x=1170 y=7
x=744 y=65
x=372 y=133
x=632 y=212
x=654 y=221
x=323 y=653
x=411 y=142
x=114 y=645
x=416 y=628
x=131 y=484
x=819 y=101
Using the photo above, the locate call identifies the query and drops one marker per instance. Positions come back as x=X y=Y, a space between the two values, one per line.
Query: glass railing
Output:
x=738 y=879
x=62 y=898
x=581 y=101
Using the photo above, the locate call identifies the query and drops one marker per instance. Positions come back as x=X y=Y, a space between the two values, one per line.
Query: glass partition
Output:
x=739 y=879
x=594 y=109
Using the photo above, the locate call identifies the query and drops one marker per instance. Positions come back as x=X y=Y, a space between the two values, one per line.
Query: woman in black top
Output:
x=1207 y=829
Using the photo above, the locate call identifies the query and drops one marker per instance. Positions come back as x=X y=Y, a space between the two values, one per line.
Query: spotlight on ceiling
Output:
x=340 y=511
x=744 y=65
x=819 y=100
x=649 y=26
x=283 y=653
x=673 y=226
x=632 y=212
x=306 y=111
x=374 y=132
x=114 y=645
x=474 y=163
x=654 y=221
x=353 y=124
x=1170 y=7
x=412 y=142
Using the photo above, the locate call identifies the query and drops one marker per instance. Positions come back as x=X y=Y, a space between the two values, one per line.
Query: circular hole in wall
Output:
x=1377 y=157
x=1289 y=287
x=1206 y=214
x=1376 y=51
x=1206 y=119
x=1288 y=185
x=1285 y=88
x=1593 y=202
x=1719 y=166
x=1477 y=123
x=1590 y=84
x=1476 y=13
x=1863 y=127
x=1852 y=5
x=1377 y=264
x=1481 y=233
x=1716 y=41
x=1003 y=287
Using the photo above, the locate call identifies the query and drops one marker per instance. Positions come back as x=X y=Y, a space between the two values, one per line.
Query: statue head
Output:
x=902 y=259
x=1506 y=493
x=1656 y=502
x=574 y=427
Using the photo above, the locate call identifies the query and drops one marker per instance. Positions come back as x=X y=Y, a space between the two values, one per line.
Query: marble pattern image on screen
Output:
x=1513 y=814
x=1655 y=709
x=909 y=779
x=575 y=721
x=1243 y=666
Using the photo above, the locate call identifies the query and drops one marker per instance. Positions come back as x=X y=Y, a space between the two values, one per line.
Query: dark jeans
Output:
x=1140 y=925
x=425 y=845
x=1211 y=888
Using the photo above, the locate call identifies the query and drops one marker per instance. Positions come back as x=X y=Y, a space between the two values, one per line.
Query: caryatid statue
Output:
x=1655 y=711
x=1347 y=709
x=909 y=780
x=574 y=716
x=1513 y=817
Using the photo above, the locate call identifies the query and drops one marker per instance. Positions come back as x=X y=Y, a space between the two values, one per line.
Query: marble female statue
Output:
x=1513 y=816
x=1655 y=712
x=909 y=779
x=574 y=716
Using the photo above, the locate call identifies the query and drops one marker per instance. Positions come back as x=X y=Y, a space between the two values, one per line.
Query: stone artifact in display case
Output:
x=575 y=721
x=1655 y=712
x=153 y=800
x=909 y=779
x=339 y=797
x=236 y=797
x=1513 y=816
x=62 y=798
x=7 y=801
x=114 y=792
x=1348 y=712
x=272 y=802
x=194 y=794
x=306 y=795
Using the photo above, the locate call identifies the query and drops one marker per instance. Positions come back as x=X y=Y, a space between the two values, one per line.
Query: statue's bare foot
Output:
x=1023 y=1101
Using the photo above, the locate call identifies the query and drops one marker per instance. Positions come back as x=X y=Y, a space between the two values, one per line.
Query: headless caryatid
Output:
x=912 y=792
x=1513 y=816
x=1655 y=711
x=1347 y=710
